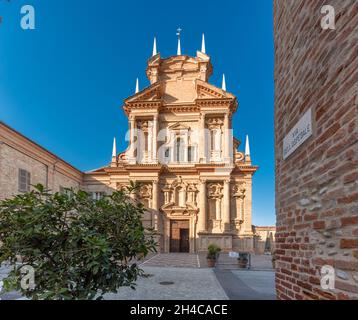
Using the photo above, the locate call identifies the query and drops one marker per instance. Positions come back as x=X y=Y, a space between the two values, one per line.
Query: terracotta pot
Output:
x=211 y=263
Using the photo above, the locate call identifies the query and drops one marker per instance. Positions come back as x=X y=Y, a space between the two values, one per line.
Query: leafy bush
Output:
x=79 y=248
x=213 y=251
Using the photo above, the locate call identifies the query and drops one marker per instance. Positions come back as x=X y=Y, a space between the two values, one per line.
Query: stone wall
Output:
x=18 y=152
x=316 y=186
x=10 y=162
x=264 y=239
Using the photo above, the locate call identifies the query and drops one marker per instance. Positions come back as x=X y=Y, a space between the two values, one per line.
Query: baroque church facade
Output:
x=195 y=183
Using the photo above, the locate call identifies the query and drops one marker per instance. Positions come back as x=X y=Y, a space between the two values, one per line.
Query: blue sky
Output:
x=63 y=84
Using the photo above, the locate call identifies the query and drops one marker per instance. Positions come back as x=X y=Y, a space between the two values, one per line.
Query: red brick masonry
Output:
x=316 y=186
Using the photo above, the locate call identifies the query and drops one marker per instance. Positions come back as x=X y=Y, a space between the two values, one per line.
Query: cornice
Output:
x=142 y=105
x=21 y=143
x=246 y=168
x=198 y=168
x=181 y=108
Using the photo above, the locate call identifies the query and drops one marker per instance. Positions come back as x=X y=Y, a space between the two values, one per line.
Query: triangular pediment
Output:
x=178 y=126
x=209 y=91
x=152 y=93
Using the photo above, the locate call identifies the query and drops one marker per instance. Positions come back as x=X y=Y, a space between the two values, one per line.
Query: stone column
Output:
x=226 y=199
x=218 y=140
x=242 y=207
x=131 y=136
x=218 y=208
x=239 y=207
x=226 y=137
x=172 y=151
x=247 y=202
x=150 y=142
x=155 y=205
x=202 y=209
x=133 y=194
x=202 y=139
x=155 y=138
x=186 y=147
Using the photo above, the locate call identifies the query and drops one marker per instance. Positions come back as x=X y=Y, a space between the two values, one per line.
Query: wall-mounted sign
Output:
x=298 y=134
x=233 y=254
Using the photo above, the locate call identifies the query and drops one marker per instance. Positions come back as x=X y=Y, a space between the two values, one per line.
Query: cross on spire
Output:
x=203 y=50
x=137 y=86
x=154 y=47
x=179 y=30
x=247 y=146
x=114 y=149
x=223 y=85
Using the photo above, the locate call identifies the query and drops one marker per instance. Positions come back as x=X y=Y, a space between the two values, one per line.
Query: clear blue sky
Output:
x=63 y=84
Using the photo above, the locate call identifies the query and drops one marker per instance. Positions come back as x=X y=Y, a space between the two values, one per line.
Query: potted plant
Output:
x=213 y=254
x=243 y=259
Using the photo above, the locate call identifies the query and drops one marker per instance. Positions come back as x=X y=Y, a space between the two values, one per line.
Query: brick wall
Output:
x=316 y=187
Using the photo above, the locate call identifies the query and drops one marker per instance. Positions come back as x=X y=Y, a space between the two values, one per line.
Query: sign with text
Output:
x=298 y=134
x=233 y=254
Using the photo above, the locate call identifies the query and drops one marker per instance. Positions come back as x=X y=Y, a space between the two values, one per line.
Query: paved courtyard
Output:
x=186 y=276
x=189 y=260
x=171 y=283
x=247 y=284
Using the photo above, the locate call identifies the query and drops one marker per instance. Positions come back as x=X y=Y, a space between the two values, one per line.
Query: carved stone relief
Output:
x=180 y=194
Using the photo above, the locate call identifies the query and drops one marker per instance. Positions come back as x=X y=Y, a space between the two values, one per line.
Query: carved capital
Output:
x=238 y=190
x=215 y=190
x=145 y=191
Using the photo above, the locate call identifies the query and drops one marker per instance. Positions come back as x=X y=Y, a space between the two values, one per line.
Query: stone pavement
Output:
x=171 y=283
x=189 y=260
x=256 y=283
x=247 y=284
x=258 y=262
x=186 y=276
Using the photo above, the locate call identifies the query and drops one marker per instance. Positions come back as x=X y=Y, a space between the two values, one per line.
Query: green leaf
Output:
x=78 y=247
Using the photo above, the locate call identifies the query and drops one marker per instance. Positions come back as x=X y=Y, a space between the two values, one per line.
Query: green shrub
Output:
x=213 y=251
x=79 y=248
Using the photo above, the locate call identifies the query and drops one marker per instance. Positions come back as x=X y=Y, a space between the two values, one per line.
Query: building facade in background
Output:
x=264 y=240
x=196 y=183
x=24 y=163
x=316 y=149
